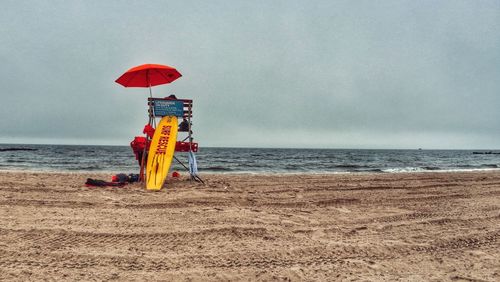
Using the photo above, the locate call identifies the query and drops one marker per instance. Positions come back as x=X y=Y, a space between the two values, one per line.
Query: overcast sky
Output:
x=327 y=74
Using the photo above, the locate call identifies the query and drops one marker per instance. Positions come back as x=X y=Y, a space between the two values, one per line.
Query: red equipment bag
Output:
x=149 y=130
x=184 y=147
x=138 y=145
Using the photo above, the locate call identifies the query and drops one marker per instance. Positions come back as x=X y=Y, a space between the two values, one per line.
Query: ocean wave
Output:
x=216 y=168
x=489 y=166
x=471 y=166
x=431 y=168
x=15 y=161
x=349 y=166
x=369 y=170
x=84 y=168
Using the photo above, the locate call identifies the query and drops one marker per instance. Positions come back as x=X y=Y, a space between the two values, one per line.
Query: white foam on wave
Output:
x=405 y=169
x=419 y=169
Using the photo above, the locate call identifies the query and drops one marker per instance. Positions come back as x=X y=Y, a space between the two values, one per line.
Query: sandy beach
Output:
x=411 y=227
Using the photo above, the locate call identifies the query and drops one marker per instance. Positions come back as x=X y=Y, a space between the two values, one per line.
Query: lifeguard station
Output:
x=156 y=150
x=181 y=109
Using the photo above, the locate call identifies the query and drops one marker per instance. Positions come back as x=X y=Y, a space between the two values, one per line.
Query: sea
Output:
x=120 y=159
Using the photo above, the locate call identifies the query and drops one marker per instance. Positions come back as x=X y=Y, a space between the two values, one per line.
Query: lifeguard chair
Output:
x=159 y=108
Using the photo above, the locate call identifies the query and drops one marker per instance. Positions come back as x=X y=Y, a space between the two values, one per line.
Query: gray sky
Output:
x=328 y=74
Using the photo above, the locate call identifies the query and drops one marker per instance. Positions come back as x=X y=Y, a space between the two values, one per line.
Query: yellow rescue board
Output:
x=161 y=152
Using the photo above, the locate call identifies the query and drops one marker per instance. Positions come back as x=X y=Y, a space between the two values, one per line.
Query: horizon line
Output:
x=245 y=147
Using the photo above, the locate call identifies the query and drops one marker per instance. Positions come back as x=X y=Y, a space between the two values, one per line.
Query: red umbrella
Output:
x=148 y=75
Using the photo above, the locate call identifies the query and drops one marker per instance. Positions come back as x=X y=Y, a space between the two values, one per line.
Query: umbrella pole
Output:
x=142 y=174
x=151 y=109
x=151 y=121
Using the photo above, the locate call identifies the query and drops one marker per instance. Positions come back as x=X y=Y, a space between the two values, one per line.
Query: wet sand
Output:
x=413 y=227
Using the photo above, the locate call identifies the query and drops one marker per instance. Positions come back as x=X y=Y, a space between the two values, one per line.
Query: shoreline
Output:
x=250 y=173
x=378 y=226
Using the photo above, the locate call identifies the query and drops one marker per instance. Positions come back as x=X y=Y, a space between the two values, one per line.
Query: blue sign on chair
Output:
x=168 y=108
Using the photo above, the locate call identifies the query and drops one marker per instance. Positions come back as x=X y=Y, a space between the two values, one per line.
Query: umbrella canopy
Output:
x=148 y=75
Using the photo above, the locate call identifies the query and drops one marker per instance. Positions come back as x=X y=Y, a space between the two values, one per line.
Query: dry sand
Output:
x=422 y=226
